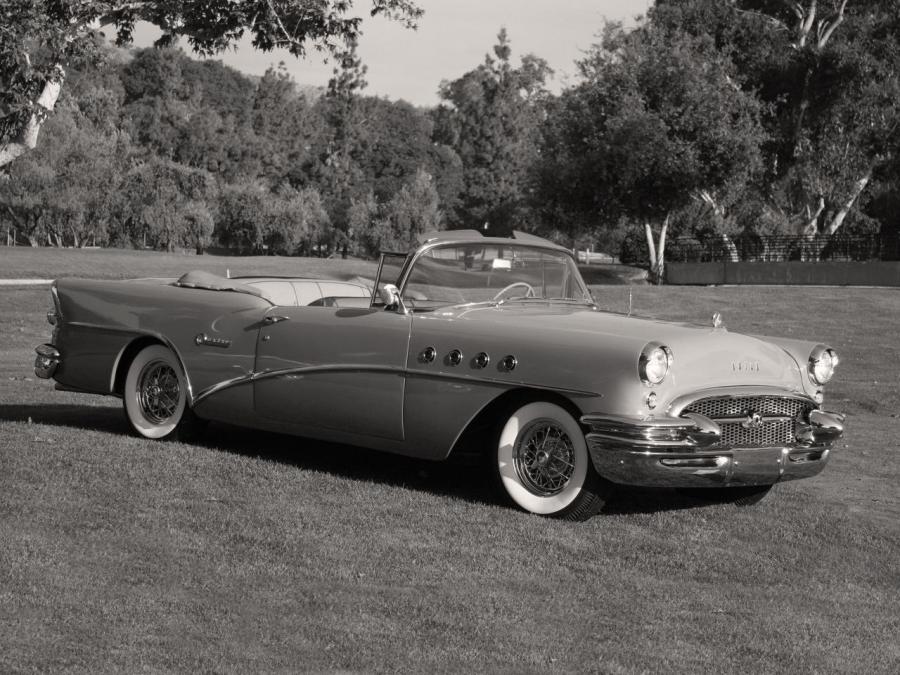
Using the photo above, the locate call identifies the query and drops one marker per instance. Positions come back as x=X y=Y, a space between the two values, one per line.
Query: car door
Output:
x=338 y=368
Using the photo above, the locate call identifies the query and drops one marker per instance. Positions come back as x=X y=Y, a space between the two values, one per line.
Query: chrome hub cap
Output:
x=158 y=392
x=544 y=458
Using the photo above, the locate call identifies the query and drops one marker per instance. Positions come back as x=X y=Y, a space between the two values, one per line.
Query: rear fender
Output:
x=128 y=353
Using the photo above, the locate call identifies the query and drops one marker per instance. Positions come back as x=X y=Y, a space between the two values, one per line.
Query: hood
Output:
x=590 y=350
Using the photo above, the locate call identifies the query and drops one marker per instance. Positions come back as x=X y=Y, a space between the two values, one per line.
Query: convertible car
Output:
x=469 y=343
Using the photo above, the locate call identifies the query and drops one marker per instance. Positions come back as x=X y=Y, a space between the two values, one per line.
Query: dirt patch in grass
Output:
x=260 y=552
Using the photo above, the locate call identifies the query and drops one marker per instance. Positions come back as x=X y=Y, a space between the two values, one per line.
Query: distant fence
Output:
x=786 y=273
x=758 y=248
x=821 y=261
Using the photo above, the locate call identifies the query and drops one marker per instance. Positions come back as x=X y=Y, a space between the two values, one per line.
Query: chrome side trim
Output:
x=115 y=369
x=396 y=370
x=499 y=382
x=682 y=402
x=221 y=386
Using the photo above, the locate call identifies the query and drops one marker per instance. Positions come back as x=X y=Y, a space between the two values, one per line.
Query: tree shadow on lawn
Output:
x=463 y=477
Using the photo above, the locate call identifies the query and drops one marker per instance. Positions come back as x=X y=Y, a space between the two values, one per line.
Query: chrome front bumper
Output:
x=678 y=452
x=47 y=361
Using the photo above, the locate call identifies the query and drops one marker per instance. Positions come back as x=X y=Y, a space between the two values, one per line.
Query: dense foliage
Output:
x=156 y=149
x=717 y=121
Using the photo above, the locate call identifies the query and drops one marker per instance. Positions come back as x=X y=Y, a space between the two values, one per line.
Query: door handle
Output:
x=269 y=320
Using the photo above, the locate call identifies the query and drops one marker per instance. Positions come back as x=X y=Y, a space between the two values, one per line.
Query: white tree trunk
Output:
x=808 y=250
x=838 y=219
x=731 y=248
x=657 y=252
x=651 y=245
x=27 y=138
x=661 y=252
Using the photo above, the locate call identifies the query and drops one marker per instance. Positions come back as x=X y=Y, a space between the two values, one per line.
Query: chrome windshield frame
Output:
x=412 y=259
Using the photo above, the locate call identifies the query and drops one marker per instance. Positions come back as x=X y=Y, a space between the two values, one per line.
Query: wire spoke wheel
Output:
x=541 y=462
x=158 y=392
x=544 y=457
x=155 y=394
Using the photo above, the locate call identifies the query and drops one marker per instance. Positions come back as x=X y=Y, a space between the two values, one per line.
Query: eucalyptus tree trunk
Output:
x=657 y=252
x=812 y=249
x=839 y=217
x=718 y=210
x=812 y=32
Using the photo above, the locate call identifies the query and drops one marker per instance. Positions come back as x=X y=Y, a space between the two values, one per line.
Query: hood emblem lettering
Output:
x=745 y=366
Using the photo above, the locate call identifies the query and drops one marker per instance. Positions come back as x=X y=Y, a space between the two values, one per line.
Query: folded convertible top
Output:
x=213 y=282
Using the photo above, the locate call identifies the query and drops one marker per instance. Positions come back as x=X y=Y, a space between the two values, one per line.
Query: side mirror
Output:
x=390 y=296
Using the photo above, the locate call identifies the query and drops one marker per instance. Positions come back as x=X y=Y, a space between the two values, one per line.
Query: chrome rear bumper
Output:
x=47 y=361
x=678 y=452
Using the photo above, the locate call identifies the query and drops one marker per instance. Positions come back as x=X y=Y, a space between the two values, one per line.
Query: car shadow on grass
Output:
x=458 y=478
x=95 y=418
x=462 y=477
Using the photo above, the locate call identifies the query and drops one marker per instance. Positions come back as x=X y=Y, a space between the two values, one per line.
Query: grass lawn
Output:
x=258 y=552
x=24 y=262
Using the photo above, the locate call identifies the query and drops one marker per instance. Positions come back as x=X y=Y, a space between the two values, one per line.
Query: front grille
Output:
x=731 y=412
x=770 y=434
x=741 y=406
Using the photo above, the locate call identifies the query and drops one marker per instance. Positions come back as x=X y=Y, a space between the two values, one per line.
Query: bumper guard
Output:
x=47 y=361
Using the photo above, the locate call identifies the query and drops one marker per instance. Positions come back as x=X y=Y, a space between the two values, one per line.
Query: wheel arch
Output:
x=131 y=350
x=475 y=437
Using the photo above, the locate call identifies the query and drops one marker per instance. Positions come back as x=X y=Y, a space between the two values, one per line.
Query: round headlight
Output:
x=654 y=364
x=822 y=363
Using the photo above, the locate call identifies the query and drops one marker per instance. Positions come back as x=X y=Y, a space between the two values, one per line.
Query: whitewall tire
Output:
x=155 y=393
x=543 y=465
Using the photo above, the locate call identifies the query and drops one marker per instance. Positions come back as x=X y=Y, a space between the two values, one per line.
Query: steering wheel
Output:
x=529 y=290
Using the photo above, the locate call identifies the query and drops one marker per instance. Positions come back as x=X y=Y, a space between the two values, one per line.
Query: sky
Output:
x=453 y=38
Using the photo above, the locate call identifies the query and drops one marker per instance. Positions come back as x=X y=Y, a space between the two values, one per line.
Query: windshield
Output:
x=457 y=274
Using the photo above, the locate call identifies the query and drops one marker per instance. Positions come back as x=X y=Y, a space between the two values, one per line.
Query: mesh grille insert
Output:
x=730 y=412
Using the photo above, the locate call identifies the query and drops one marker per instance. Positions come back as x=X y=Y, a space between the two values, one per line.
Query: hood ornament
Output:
x=717 y=320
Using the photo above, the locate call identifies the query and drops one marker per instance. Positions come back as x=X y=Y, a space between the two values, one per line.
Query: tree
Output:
x=829 y=76
x=361 y=219
x=282 y=124
x=241 y=210
x=657 y=123
x=398 y=141
x=490 y=117
x=294 y=219
x=62 y=193
x=161 y=204
x=198 y=225
x=41 y=39
x=413 y=211
x=340 y=174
